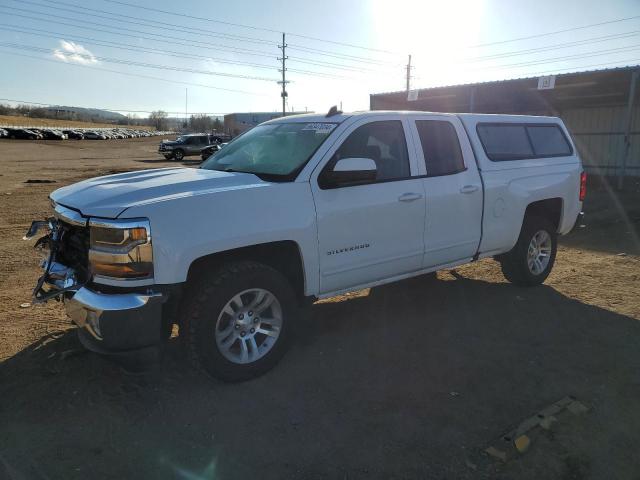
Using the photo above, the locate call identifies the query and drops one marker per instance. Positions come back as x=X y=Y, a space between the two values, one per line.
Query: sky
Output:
x=222 y=57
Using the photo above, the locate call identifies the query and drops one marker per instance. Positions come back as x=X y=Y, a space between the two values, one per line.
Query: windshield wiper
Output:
x=268 y=177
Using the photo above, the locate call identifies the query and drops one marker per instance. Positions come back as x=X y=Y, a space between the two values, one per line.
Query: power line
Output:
x=529 y=37
x=340 y=56
x=146 y=23
x=323 y=52
x=148 y=77
x=108 y=109
x=575 y=69
x=163 y=38
x=251 y=27
x=333 y=65
x=360 y=69
x=566 y=57
x=171 y=53
x=566 y=30
x=154 y=24
x=558 y=46
x=581 y=68
x=133 y=63
x=125 y=46
x=130 y=47
x=556 y=59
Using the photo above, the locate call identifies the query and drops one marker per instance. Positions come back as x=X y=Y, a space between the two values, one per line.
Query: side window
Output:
x=505 y=142
x=190 y=140
x=522 y=141
x=383 y=142
x=548 y=140
x=441 y=147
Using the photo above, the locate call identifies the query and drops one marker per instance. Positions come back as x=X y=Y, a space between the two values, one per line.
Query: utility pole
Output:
x=186 y=96
x=284 y=81
x=409 y=74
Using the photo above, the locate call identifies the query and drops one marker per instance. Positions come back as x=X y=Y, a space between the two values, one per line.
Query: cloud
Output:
x=74 y=53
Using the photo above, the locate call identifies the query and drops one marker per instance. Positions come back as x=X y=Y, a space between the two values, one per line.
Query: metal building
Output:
x=599 y=107
x=237 y=123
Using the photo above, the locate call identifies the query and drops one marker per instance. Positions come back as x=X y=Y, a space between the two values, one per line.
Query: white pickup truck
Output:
x=299 y=208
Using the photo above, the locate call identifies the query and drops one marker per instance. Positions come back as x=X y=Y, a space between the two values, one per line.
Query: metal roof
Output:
x=608 y=86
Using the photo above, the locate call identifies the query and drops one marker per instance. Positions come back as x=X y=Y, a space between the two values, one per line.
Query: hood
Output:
x=110 y=196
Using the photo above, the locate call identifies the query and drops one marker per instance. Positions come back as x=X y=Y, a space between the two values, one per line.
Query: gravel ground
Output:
x=410 y=380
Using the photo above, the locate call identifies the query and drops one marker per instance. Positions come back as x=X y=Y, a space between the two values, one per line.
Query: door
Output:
x=373 y=230
x=453 y=189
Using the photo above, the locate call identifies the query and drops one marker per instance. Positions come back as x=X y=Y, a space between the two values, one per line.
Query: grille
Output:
x=73 y=249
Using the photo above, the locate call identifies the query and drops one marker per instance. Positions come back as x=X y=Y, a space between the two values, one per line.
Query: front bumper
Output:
x=111 y=320
x=116 y=322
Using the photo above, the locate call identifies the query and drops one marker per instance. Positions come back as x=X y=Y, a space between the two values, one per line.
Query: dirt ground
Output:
x=411 y=380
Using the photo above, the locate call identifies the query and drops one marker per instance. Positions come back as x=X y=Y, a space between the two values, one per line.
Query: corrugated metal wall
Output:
x=599 y=136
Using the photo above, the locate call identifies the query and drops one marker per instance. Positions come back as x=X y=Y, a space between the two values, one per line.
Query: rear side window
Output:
x=441 y=148
x=521 y=141
x=505 y=142
x=548 y=140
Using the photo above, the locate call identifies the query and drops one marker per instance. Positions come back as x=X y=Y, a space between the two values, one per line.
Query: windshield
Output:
x=278 y=150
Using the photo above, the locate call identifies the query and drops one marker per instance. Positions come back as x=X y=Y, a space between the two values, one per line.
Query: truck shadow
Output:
x=386 y=383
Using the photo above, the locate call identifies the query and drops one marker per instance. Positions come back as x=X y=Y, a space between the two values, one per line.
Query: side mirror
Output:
x=349 y=171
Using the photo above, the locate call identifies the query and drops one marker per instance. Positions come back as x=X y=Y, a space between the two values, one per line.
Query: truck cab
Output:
x=304 y=207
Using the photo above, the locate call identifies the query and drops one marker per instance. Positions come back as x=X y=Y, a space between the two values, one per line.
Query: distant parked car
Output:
x=185 y=145
x=23 y=134
x=53 y=134
x=94 y=136
x=73 y=134
x=3 y=133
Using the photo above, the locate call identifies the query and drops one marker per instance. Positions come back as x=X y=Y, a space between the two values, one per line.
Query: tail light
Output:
x=583 y=186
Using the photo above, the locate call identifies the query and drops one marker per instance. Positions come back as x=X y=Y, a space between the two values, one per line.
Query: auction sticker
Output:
x=320 y=128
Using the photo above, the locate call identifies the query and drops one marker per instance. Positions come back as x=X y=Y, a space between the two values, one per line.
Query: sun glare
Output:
x=434 y=32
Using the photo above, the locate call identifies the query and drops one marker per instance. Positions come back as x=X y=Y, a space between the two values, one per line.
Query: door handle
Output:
x=469 y=189
x=409 y=197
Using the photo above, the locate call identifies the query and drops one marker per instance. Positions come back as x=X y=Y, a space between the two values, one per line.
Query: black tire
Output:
x=515 y=264
x=178 y=155
x=210 y=294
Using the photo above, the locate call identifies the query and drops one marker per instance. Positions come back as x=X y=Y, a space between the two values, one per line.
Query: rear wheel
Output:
x=531 y=260
x=237 y=321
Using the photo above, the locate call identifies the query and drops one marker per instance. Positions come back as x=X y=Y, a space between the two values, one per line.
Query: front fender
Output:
x=187 y=228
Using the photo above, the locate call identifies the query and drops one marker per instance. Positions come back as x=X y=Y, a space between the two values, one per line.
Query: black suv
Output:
x=184 y=146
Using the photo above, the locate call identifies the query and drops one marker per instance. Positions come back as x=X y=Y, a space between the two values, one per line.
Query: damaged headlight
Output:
x=120 y=249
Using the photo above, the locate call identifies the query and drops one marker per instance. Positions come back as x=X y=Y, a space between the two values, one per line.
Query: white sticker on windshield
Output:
x=320 y=128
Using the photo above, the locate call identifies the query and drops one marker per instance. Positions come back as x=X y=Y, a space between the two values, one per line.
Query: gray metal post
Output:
x=409 y=74
x=627 y=134
x=472 y=100
x=284 y=81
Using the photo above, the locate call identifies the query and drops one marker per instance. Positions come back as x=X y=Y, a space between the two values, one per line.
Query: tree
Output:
x=200 y=123
x=158 y=119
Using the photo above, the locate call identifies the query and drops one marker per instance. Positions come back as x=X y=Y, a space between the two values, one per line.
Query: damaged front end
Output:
x=64 y=261
x=102 y=270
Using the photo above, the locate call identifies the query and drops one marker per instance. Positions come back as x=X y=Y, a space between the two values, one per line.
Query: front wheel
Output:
x=531 y=260
x=237 y=321
x=178 y=155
